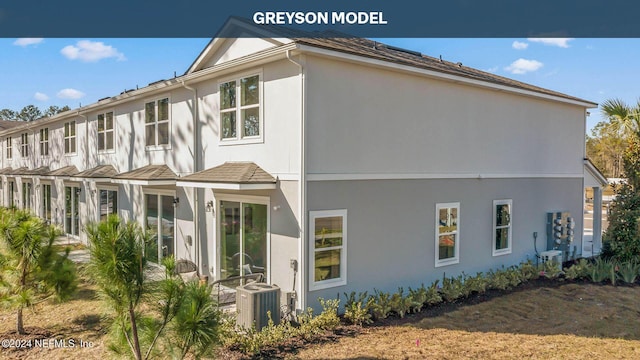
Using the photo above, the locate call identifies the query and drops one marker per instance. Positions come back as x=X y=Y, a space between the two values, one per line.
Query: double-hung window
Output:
x=447 y=234
x=328 y=245
x=240 y=109
x=9 y=141
x=44 y=141
x=502 y=226
x=24 y=144
x=108 y=203
x=70 y=137
x=105 y=131
x=156 y=115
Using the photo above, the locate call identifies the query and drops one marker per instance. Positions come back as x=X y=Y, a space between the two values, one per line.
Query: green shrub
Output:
x=401 y=304
x=601 y=270
x=528 y=271
x=551 y=270
x=381 y=304
x=498 y=279
x=628 y=271
x=513 y=275
x=357 y=314
x=578 y=270
x=475 y=284
x=452 y=288
x=419 y=298
x=433 y=294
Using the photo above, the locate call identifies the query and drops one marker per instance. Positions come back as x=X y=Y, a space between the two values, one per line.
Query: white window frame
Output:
x=67 y=138
x=495 y=227
x=342 y=280
x=9 y=147
x=106 y=131
x=456 y=258
x=44 y=142
x=156 y=122
x=24 y=144
x=239 y=139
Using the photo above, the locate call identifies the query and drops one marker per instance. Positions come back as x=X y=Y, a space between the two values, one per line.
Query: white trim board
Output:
x=415 y=176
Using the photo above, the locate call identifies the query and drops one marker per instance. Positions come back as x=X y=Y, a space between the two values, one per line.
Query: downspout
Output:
x=302 y=191
x=87 y=191
x=196 y=161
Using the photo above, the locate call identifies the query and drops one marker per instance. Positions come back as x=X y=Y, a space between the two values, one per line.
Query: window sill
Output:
x=157 y=147
x=243 y=141
x=501 y=252
x=106 y=152
x=326 y=284
x=71 y=154
x=440 y=263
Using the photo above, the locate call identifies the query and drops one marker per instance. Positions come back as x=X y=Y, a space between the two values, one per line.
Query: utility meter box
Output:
x=560 y=233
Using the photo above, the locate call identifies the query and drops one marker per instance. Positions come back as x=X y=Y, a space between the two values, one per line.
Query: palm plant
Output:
x=31 y=270
x=623 y=116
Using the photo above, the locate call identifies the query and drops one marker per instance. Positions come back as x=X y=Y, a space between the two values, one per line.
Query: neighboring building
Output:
x=331 y=165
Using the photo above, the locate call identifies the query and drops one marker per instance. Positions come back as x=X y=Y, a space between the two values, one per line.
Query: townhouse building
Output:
x=329 y=165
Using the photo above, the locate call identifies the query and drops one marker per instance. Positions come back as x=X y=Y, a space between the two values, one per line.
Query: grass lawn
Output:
x=574 y=321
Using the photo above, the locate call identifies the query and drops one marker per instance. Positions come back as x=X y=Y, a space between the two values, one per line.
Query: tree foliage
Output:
x=622 y=238
x=118 y=267
x=31 y=112
x=31 y=270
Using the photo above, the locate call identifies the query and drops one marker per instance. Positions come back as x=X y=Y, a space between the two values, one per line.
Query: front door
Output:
x=243 y=238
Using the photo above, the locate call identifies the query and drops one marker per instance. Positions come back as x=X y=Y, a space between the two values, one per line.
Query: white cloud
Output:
x=24 y=42
x=70 y=94
x=492 y=70
x=41 y=96
x=519 y=45
x=523 y=66
x=559 y=42
x=91 y=51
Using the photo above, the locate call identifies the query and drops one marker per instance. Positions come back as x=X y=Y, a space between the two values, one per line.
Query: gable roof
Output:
x=361 y=47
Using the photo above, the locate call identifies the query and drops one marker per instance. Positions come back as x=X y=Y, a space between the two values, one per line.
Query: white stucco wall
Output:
x=365 y=120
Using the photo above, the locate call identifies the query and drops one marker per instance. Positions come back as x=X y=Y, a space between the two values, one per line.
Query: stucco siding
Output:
x=391 y=225
x=368 y=120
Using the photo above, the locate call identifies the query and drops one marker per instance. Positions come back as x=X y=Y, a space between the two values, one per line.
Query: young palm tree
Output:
x=623 y=116
x=31 y=270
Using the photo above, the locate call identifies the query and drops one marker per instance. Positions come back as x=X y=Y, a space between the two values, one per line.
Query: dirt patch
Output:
x=562 y=321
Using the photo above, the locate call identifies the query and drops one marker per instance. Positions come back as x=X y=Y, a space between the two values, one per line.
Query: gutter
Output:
x=196 y=161
x=302 y=190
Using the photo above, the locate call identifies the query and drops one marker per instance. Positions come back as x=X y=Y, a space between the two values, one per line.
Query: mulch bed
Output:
x=292 y=346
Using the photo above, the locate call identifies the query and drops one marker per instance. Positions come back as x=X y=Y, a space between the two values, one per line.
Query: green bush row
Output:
x=604 y=270
x=362 y=308
x=307 y=327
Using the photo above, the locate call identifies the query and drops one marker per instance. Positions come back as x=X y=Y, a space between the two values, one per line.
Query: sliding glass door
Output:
x=160 y=220
x=243 y=238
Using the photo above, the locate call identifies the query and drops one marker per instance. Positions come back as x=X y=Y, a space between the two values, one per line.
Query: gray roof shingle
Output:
x=99 y=172
x=149 y=172
x=233 y=173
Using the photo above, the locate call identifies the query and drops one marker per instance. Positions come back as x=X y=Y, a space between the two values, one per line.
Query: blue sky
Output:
x=71 y=72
